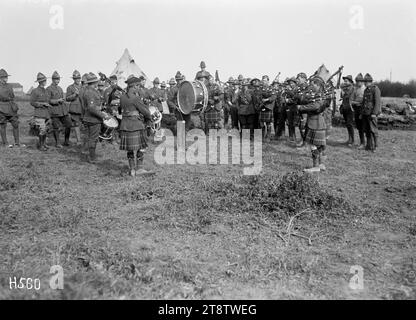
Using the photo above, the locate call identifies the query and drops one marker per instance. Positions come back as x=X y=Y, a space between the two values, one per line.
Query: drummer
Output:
x=132 y=128
x=203 y=75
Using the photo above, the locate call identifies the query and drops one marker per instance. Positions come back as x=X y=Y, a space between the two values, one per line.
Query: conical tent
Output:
x=127 y=66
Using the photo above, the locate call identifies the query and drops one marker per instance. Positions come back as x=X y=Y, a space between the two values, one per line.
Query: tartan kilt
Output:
x=212 y=116
x=316 y=137
x=133 y=140
x=266 y=116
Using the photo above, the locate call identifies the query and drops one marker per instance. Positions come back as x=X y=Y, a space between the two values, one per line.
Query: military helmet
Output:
x=56 y=75
x=349 y=78
x=92 y=78
x=178 y=75
x=76 y=75
x=202 y=64
x=254 y=81
x=359 y=77
x=368 y=78
x=240 y=77
x=172 y=82
x=163 y=84
x=40 y=77
x=265 y=77
x=230 y=80
x=4 y=74
x=113 y=77
x=84 y=78
x=156 y=81
x=301 y=75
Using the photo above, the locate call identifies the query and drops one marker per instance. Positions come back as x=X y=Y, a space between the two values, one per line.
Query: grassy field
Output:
x=208 y=232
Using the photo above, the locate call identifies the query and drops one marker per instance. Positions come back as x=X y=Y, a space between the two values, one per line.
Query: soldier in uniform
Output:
x=246 y=111
x=75 y=109
x=289 y=98
x=107 y=92
x=346 y=107
x=157 y=95
x=93 y=117
x=101 y=88
x=315 y=134
x=132 y=128
x=357 y=104
x=8 y=110
x=39 y=99
x=171 y=95
x=371 y=109
x=266 y=108
x=58 y=110
x=212 y=114
x=174 y=102
x=302 y=84
x=257 y=100
x=230 y=99
x=278 y=108
x=202 y=75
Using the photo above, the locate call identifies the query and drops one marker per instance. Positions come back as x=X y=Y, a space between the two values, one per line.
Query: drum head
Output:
x=186 y=97
x=111 y=123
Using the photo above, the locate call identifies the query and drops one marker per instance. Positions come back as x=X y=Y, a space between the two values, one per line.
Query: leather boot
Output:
x=67 y=135
x=92 y=156
x=3 y=134
x=42 y=140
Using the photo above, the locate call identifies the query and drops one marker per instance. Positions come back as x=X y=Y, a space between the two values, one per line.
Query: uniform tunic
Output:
x=57 y=109
x=75 y=108
x=132 y=127
x=93 y=117
x=41 y=114
x=157 y=95
x=246 y=111
x=8 y=108
x=370 y=109
x=315 y=122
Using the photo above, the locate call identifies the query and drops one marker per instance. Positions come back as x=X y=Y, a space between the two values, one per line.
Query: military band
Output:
x=240 y=103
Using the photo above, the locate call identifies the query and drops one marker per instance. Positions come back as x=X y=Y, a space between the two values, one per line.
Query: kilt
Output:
x=133 y=140
x=316 y=137
x=266 y=116
x=212 y=116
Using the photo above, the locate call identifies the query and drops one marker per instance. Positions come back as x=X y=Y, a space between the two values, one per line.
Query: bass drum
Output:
x=192 y=97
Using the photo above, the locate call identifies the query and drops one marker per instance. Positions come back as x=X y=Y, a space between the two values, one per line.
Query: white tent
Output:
x=127 y=66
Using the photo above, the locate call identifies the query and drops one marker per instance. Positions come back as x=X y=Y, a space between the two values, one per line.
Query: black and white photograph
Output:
x=221 y=152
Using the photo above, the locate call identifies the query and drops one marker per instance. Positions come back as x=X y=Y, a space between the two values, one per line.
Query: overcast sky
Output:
x=248 y=37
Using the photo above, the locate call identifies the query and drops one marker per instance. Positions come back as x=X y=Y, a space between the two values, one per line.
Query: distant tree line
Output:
x=397 y=89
